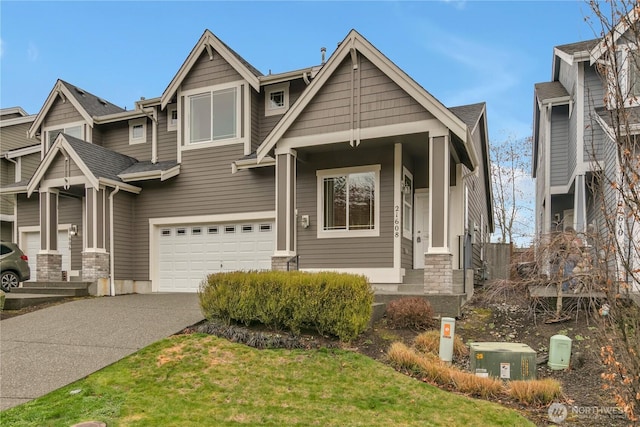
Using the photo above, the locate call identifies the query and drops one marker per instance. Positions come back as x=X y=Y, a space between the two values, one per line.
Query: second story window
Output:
x=75 y=129
x=276 y=99
x=212 y=115
x=172 y=118
x=138 y=131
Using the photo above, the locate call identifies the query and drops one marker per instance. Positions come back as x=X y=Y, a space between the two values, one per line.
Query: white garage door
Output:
x=32 y=248
x=187 y=254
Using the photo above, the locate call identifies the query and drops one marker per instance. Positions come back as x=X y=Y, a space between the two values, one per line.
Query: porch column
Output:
x=49 y=260
x=579 y=205
x=438 y=273
x=95 y=258
x=286 y=250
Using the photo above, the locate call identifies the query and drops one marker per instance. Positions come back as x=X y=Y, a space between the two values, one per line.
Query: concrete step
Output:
x=66 y=291
x=411 y=289
x=384 y=287
x=413 y=277
x=69 y=285
x=17 y=301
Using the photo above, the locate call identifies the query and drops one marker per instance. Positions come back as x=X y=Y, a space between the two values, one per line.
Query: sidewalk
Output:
x=49 y=348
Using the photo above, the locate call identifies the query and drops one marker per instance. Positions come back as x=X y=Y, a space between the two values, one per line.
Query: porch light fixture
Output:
x=73 y=230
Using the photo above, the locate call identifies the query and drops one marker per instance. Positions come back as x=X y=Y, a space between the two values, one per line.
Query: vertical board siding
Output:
x=115 y=137
x=559 y=145
x=57 y=168
x=593 y=98
x=356 y=252
x=12 y=137
x=256 y=120
x=123 y=232
x=70 y=212
x=208 y=73
x=61 y=113
x=205 y=186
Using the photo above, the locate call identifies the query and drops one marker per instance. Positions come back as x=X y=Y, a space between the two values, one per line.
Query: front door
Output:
x=420 y=227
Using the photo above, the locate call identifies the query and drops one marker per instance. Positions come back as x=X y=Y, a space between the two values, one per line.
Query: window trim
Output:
x=64 y=127
x=185 y=97
x=172 y=126
x=133 y=123
x=407 y=232
x=272 y=111
x=328 y=173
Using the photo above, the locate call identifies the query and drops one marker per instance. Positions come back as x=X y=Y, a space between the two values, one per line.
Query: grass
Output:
x=195 y=380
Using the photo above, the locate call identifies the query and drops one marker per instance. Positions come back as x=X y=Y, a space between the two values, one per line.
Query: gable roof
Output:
x=551 y=93
x=355 y=41
x=88 y=105
x=614 y=35
x=207 y=41
x=470 y=114
x=98 y=164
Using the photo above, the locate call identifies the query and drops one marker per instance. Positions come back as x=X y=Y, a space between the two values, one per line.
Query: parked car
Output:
x=14 y=267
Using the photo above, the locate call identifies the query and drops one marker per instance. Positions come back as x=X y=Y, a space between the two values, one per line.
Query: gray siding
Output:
x=6 y=205
x=358 y=252
x=167 y=142
x=61 y=113
x=267 y=123
x=115 y=137
x=559 y=145
x=123 y=230
x=6 y=231
x=29 y=165
x=70 y=212
x=57 y=168
x=379 y=100
x=12 y=137
x=568 y=77
x=594 y=97
x=205 y=186
x=208 y=73
x=28 y=210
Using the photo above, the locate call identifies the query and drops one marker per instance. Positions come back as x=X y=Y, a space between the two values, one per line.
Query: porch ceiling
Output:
x=416 y=144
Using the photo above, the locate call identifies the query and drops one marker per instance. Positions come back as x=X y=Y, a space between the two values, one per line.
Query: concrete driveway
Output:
x=50 y=348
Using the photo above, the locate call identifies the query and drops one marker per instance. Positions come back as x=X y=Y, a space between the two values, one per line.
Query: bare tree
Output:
x=510 y=169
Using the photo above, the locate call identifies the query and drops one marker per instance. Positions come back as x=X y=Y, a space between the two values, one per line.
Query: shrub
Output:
x=535 y=391
x=429 y=342
x=414 y=313
x=333 y=303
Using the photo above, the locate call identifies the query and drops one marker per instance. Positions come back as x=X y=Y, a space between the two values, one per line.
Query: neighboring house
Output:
x=574 y=149
x=19 y=158
x=348 y=166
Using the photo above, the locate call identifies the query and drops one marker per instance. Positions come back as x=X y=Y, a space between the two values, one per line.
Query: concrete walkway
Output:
x=50 y=348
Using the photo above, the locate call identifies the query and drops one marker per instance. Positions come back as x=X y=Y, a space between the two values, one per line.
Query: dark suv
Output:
x=14 y=267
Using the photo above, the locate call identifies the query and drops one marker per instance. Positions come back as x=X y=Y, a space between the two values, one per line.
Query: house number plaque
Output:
x=396 y=222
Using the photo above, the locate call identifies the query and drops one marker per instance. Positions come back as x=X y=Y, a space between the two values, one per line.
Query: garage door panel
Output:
x=187 y=254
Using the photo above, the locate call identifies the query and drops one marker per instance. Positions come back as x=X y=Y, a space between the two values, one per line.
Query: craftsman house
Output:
x=348 y=166
x=576 y=147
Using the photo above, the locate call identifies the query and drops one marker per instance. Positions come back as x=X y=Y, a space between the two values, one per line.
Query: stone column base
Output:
x=49 y=268
x=438 y=274
x=95 y=265
x=279 y=263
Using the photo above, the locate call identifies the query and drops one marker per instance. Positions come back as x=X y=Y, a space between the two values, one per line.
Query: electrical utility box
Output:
x=504 y=360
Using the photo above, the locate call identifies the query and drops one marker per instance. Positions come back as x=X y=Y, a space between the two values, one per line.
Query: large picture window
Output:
x=349 y=202
x=212 y=115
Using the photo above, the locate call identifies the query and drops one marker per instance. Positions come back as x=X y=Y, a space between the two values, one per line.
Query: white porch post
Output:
x=286 y=229
x=579 y=205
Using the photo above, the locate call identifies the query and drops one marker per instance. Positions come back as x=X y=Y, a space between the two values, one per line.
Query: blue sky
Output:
x=460 y=51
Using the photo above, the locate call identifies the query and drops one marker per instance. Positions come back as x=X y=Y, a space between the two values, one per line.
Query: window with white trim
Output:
x=407 y=203
x=138 y=131
x=276 y=99
x=212 y=115
x=75 y=131
x=172 y=118
x=348 y=202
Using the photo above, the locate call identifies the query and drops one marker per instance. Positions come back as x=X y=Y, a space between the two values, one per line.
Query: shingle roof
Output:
x=583 y=46
x=250 y=67
x=102 y=162
x=550 y=90
x=469 y=114
x=147 y=166
x=92 y=104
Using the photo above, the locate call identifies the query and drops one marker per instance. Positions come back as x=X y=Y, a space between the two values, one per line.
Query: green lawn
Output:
x=201 y=380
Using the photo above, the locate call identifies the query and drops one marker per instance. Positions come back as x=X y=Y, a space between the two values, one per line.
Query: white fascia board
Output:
x=59 y=87
x=105 y=182
x=125 y=115
x=207 y=38
x=17 y=120
x=613 y=36
x=283 y=77
x=19 y=152
x=13 y=110
x=148 y=175
x=252 y=163
x=563 y=55
x=561 y=100
x=13 y=190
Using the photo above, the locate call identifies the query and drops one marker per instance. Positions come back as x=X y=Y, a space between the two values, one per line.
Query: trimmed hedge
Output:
x=331 y=303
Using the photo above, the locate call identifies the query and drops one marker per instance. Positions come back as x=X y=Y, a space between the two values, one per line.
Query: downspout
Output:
x=112 y=281
x=154 y=136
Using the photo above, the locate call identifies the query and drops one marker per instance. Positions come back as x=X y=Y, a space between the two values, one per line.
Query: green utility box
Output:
x=504 y=360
